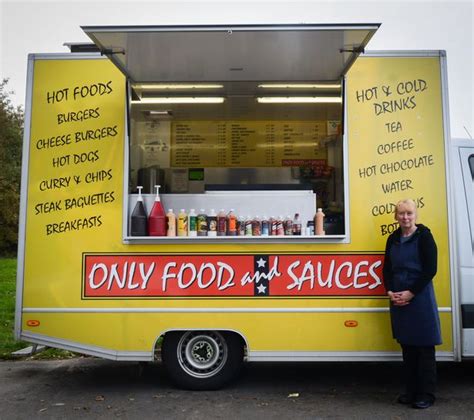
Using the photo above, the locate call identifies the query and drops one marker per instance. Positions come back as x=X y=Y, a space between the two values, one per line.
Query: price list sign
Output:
x=245 y=143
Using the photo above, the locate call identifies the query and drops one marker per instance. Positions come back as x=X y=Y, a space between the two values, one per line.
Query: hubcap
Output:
x=202 y=354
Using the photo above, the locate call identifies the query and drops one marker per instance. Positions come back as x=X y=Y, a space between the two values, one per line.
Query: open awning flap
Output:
x=232 y=52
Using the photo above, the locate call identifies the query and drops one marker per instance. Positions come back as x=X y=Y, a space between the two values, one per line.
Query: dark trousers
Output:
x=420 y=370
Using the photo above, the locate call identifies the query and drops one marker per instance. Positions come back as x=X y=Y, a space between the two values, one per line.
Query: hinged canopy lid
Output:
x=232 y=52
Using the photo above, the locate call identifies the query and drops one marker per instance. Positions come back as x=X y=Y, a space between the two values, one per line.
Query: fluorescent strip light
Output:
x=177 y=86
x=299 y=86
x=159 y=113
x=180 y=100
x=299 y=99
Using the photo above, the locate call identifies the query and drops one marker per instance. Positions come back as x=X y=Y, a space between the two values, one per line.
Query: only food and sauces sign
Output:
x=125 y=276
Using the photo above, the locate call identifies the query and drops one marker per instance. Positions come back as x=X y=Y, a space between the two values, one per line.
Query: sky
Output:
x=44 y=26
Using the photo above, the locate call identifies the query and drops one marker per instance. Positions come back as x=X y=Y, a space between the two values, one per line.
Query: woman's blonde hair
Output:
x=408 y=202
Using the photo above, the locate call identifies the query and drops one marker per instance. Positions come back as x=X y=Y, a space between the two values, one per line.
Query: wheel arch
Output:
x=157 y=345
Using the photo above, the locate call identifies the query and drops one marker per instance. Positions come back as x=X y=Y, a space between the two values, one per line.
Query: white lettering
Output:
x=372 y=272
x=358 y=274
x=296 y=280
x=131 y=272
x=201 y=275
x=114 y=275
x=225 y=267
x=338 y=274
x=166 y=275
x=184 y=267
x=94 y=268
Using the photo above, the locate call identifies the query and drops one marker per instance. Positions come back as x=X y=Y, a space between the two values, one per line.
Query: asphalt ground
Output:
x=95 y=388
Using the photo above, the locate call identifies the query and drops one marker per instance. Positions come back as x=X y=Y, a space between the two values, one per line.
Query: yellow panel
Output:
x=275 y=332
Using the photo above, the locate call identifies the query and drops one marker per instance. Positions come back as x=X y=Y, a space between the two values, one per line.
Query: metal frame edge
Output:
x=90 y=350
x=24 y=195
x=454 y=272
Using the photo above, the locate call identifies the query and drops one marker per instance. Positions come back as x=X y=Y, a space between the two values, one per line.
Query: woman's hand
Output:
x=401 y=298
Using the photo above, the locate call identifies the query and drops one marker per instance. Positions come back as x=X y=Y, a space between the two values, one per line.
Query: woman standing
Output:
x=409 y=267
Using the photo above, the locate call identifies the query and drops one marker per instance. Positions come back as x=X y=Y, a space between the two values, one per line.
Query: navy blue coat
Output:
x=411 y=266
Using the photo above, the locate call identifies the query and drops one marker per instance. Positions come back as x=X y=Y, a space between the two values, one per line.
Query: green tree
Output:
x=11 y=134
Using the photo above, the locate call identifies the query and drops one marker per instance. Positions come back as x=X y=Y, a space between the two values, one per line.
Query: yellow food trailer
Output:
x=267 y=121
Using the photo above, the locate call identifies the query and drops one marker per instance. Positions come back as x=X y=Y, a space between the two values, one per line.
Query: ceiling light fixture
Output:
x=176 y=86
x=152 y=113
x=299 y=99
x=180 y=100
x=300 y=86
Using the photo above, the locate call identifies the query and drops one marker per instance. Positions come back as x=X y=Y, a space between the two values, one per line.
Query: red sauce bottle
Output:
x=157 y=217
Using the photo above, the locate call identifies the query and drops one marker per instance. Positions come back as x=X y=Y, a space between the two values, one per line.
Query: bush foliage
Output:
x=11 y=134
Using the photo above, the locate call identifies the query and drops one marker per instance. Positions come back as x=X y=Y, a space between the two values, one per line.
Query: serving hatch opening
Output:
x=240 y=117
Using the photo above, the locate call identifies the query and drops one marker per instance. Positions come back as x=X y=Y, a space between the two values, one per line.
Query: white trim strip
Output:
x=253 y=356
x=211 y=310
x=334 y=356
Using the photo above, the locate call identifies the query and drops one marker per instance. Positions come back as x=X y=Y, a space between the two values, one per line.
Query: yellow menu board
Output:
x=75 y=170
x=246 y=143
x=397 y=151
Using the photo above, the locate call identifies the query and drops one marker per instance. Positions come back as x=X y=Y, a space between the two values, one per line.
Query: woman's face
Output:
x=406 y=216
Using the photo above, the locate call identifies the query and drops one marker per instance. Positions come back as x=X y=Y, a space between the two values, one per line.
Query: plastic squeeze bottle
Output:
x=182 y=223
x=248 y=226
x=256 y=226
x=139 y=219
x=231 y=223
x=288 y=225
x=192 y=223
x=212 y=223
x=297 y=225
x=241 y=226
x=265 y=226
x=221 y=223
x=201 y=226
x=280 y=230
x=157 y=217
x=171 y=223
x=319 y=222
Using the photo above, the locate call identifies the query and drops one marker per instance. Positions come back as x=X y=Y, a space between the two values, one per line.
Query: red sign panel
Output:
x=124 y=276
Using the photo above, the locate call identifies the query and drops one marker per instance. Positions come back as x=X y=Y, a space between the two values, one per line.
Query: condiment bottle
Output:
x=157 y=217
x=171 y=223
x=201 y=226
x=280 y=231
x=182 y=223
x=273 y=225
x=265 y=226
x=319 y=222
x=231 y=223
x=288 y=226
x=256 y=227
x=192 y=223
x=297 y=225
x=139 y=219
x=248 y=226
x=221 y=223
x=241 y=224
x=212 y=223
x=310 y=228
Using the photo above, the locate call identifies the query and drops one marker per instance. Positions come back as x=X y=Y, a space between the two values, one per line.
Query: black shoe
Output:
x=405 y=399
x=422 y=404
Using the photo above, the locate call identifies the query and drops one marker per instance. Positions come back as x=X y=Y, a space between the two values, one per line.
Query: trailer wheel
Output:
x=202 y=360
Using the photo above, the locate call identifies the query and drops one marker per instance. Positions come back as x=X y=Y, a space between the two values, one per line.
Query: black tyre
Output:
x=202 y=360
